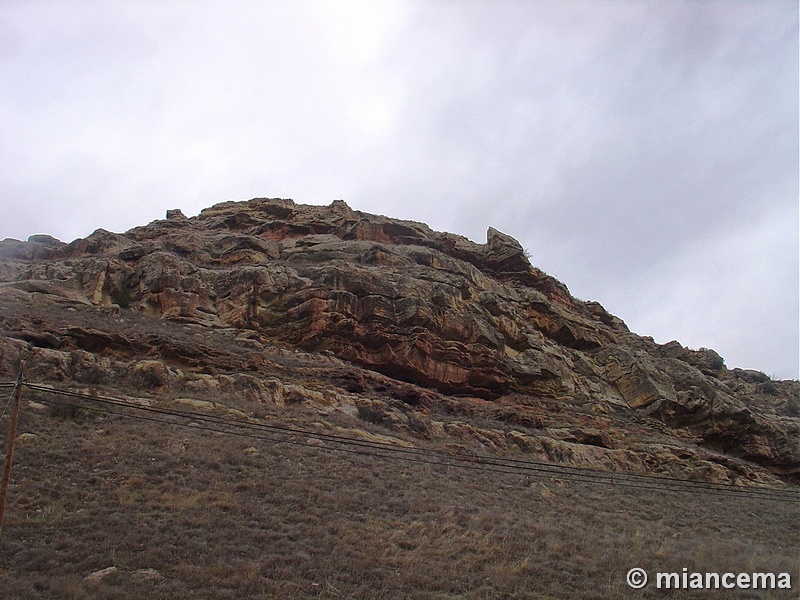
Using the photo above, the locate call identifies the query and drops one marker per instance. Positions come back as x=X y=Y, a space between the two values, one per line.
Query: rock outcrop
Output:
x=405 y=326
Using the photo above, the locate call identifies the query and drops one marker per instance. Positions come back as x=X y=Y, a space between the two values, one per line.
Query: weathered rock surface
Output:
x=391 y=322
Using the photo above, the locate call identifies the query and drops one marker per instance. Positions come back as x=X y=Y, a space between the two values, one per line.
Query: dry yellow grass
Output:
x=218 y=516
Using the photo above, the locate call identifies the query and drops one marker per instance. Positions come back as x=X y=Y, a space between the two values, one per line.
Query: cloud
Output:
x=623 y=143
x=719 y=286
x=615 y=143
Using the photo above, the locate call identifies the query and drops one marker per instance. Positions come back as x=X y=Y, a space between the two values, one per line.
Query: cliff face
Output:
x=390 y=321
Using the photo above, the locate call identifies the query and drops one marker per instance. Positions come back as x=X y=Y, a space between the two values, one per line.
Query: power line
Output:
x=285 y=434
x=478 y=465
x=584 y=474
x=10 y=399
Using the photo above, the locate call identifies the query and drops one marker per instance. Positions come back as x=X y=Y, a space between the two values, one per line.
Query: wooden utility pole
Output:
x=17 y=393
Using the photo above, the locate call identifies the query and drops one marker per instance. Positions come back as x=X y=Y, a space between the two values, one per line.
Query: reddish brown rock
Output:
x=247 y=297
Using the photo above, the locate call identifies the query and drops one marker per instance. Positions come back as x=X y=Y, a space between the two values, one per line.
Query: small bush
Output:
x=769 y=387
x=67 y=411
x=85 y=368
x=793 y=407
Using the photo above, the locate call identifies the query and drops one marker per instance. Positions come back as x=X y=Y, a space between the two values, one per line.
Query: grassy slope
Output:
x=224 y=517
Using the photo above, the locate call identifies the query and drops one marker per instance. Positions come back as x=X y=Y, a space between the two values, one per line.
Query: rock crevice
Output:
x=422 y=308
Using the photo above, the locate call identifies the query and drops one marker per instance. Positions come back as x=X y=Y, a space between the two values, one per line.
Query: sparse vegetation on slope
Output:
x=323 y=322
x=183 y=514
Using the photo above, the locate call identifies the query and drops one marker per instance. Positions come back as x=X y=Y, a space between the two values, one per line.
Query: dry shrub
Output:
x=225 y=517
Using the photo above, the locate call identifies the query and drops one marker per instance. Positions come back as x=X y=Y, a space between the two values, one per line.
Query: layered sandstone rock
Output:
x=442 y=318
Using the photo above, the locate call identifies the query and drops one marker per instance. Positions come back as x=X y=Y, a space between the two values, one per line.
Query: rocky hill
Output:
x=387 y=321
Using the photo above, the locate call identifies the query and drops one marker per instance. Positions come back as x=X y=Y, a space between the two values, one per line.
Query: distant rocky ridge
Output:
x=392 y=322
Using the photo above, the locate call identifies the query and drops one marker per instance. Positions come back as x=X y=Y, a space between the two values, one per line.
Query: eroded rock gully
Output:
x=386 y=321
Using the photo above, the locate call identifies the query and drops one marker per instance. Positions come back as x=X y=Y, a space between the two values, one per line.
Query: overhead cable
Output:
x=288 y=434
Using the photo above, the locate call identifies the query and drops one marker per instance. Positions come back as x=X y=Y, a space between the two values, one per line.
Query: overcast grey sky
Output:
x=645 y=153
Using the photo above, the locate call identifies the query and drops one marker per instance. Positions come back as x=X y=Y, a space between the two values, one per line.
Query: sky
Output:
x=644 y=153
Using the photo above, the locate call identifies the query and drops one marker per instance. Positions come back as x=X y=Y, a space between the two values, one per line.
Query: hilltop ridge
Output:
x=425 y=333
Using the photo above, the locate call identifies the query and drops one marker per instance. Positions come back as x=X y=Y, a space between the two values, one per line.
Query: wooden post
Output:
x=11 y=437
